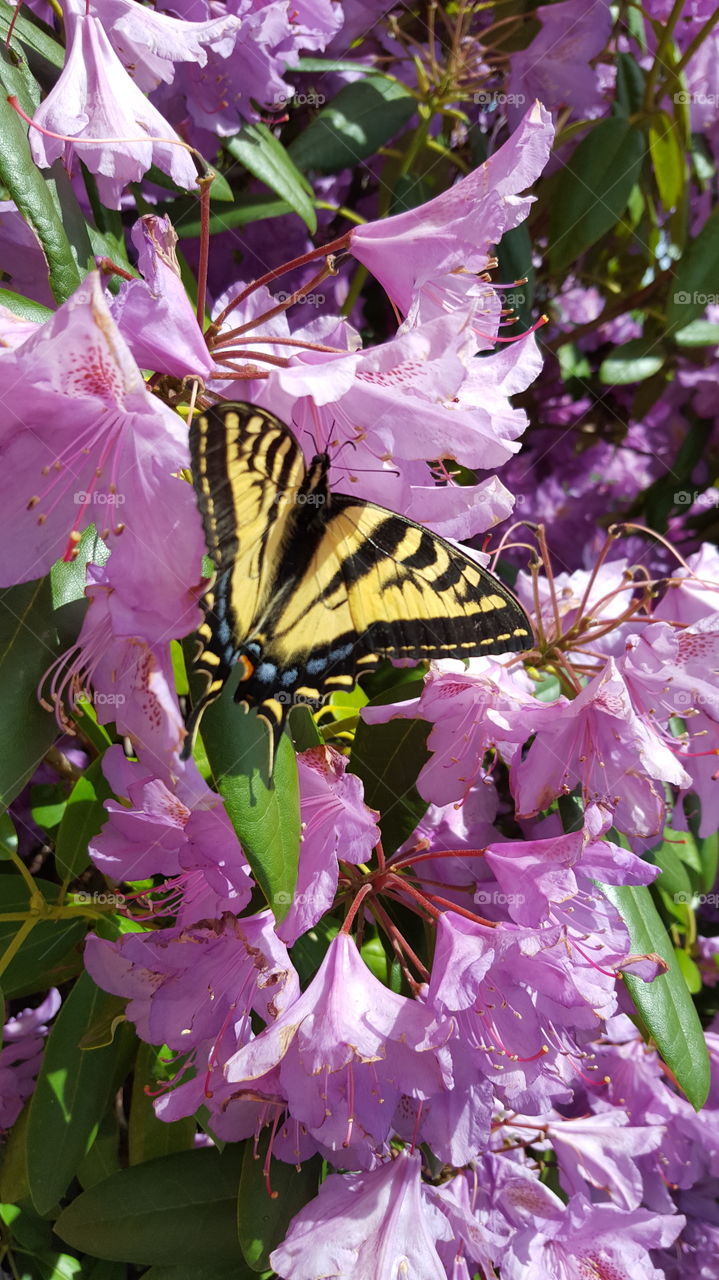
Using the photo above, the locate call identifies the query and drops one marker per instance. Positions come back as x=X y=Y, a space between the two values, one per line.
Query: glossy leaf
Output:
x=665 y=1005
x=28 y=34
x=362 y=118
x=668 y=159
x=149 y=1137
x=388 y=758
x=27 y=187
x=28 y=645
x=179 y=1210
x=70 y=1097
x=262 y=1220
x=695 y=281
x=634 y=361
x=593 y=188
x=265 y=157
x=264 y=810
x=85 y=815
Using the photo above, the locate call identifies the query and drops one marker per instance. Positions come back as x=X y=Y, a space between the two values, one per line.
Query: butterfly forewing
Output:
x=246 y=467
x=313 y=593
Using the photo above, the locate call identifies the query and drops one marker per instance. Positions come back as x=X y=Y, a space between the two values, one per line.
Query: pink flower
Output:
x=470 y=712
x=21 y=1055
x=186 y=984
x=365 y=1226
x=171 y=826
x=346 y=1051
x=336 y=823
x=456 y=231
x=555 y=66
x=599 y=741
x=154 y=315
x=149 y=43
x=94 y=98
x=82 y=440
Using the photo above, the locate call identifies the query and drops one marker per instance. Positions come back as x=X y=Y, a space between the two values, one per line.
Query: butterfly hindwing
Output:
x=314 y=588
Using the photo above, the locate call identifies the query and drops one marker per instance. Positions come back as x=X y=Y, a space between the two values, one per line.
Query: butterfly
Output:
x=312 y=588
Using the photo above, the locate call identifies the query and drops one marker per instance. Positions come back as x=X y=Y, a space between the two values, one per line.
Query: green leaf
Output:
x=515 y=263
x=689 y=971
x=70 y=1097
x=27 y=187
x=27 y=1228
x=13 y=1169
x=264 y=156
x=695 y=282
x=634 y=361
x=668 y=159
x=262 y=1221
x=388 y=757
x=47 y=956
x=264 y=811
x=631 y=82
x=665 y=1005
x=179 y=1210
x=201 y=1271
x=28 y=33
x=700 y=333
x=329 y=66
x=26 y=308
x=593 y=189
x=8 y=836
x=103 y=1158
x=360 y=120
x=28 y=645
x=245 y=209
x=148 y=1136
x=84 y=817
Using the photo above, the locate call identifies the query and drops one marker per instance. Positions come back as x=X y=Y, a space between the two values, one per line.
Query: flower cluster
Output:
x=428 y=957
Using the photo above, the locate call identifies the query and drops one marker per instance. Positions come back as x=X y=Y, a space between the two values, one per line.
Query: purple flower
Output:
x=154 y=315
x=555 y=67
x=601 y=1150
x=456 y=231
x=471 y=711
x=599 y=741
x=347 y=1050
x=336 y=823
x=365 y=1226
x=82 y=439
x=94 y=98
x=21 y=1054
x=149 y=44
x=171 y=827
x=590 y=1239
x=186 y=986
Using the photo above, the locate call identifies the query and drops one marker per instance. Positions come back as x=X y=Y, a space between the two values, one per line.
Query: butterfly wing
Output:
x=247 y=467
x=376 y=586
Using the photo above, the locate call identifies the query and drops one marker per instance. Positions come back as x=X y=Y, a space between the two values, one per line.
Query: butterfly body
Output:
x=314 y=587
